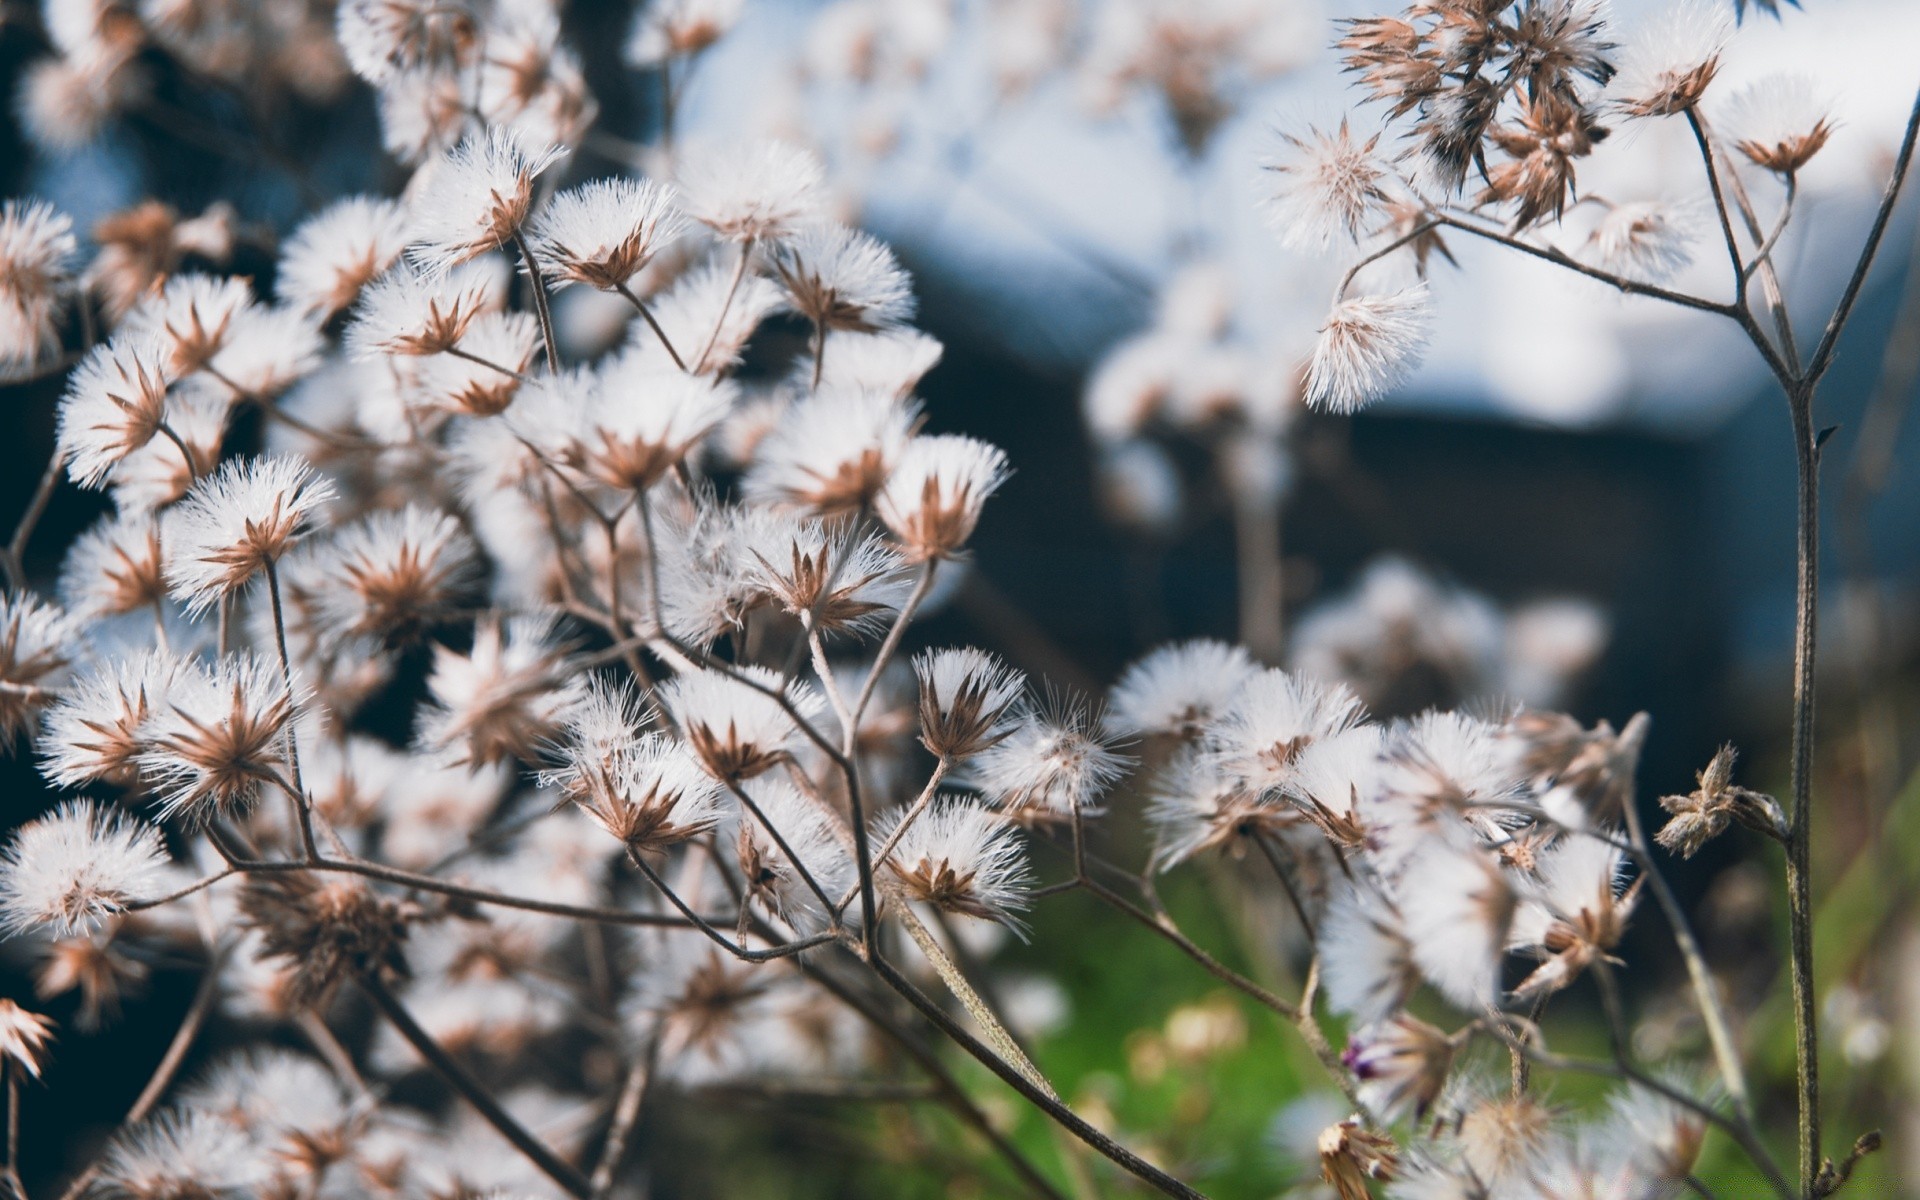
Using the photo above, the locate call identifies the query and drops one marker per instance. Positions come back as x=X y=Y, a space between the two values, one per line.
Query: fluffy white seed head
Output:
x=195 y=316
x=1328 y=187
x=239 y=522
x=669 y=29
x=215 y=738
x=117 y=566
x=605 y=232
x=385 y=39
x=474 y=198
x=968 y=700
x=115 y=403
x=1457 y=908
x=37 y=250
x=755 y=192
x=643 y=421
x=339 y=250
x=831 y=452
x=960 y=857
x=1049 y=767
x=1273 y=720
x=38 y=642
x=736 y=730
x=1644 y=239
x=99 y=727
x=1178 y=688
x=842 y=279
x=1366 y=348
x=812 y=838
x=933 y=497
x=66 y=872
x=392 y=572
x=408 y=312
x=890 y=361
x=505 y=699
x=1779 y=122
x=1666 y=65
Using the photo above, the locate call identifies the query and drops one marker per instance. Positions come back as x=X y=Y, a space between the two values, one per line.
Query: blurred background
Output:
x=1581 y=500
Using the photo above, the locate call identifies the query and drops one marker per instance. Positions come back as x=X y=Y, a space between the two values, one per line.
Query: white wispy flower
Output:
x=832 y=451
x=841 y=279
x=968 y=700
x=409 y=312
x=1193 y=807
x=37 y=251
x=474 y=198
x=182 y=1153
x=605 y=232
x=1401 y=1065
x=1671 y=57
x=644 y=789
x=1272 y=721
x=115 y=403
x=1456 y=907
x=215 y=737
x=238 y=523
x=643 y=421
x=504 y=699
x=195 y=316
x=1779 y=122
x=1331 y=187
x=667 y=29
x=1644 y=239
x=68 y=871
x=332 y=255
x=960 y=857
x=1178 y=688
x=531 y=84
x=1049 y=767
x=385 y=39
x=1367 y=347
x=1366 y=962
x=23 y=1037
x=736 y=730
x=391 y=572
x=831 y=575
x=1661 y=1140
x=753 y=192
x=291 y=1105
x=933 y=496
x=98 y=728
x=38 y=642
x=269 y=350
x=117 y=566
x=889 y=361
x=815 y=838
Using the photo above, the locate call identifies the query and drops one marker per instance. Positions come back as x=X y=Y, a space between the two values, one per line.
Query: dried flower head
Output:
x=1402 y=1064
x=324 y=928
x=1351 y=1156
x=1667 y=64
x=786 y=837
x=645 y=790
x=383 y=39
x=238 y=523
x=960 y=857
x=755 y=192
x=831 y=452
x=1457 y=909
x=37 y=251
x=183 y=1155
x=38 y=642
x=968 y=701
x=1366 y=348
x=195 y=316
x=669 y=29
x=605 y=232
x=408 y=312
x=1644 y=239
x=1577 y=914
x=338 y=251
x=395 y=572
x=66 y=872
x=1178 y=689
x=23 y=1038
x=505 y=698
x=98 y=728
x=1331 y=187
x=834 y=578
x=217 y=736
x=842 y=279
x=474 y=198
x=1052 y=767
x=643 y=421
x=933 y=497
x=1702 y=815
x=1779 y=123
x=115 y=403
x=738 y=728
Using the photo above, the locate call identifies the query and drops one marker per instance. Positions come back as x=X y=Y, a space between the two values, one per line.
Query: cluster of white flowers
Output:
x=668 y=803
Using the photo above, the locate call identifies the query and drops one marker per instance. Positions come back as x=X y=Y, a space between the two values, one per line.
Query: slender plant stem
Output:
x=541 y=310
x=16 y=552
x=297 y=796
x=626 y=1114
x=888 y=646
x=1560 y=258
x=726 y=306
x=646 y=314
x=448 y=1068
x=169 y=1065
x=1800 y=913
x=1720 y=210
x=1066 y=1117
x=712 y=932
x=1823 y=354
x=469 y=356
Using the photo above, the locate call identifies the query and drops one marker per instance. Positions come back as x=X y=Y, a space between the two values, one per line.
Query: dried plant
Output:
x=662 y=797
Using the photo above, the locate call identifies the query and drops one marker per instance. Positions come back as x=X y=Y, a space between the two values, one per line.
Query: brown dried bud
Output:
x=326 y=929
